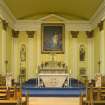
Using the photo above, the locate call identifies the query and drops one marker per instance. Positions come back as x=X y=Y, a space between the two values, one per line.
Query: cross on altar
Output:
x=53 y=54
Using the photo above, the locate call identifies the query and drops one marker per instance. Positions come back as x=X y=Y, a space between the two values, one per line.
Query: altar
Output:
x=53 y=74
x=53 y=80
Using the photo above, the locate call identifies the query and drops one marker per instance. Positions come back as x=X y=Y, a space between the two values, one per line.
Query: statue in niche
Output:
x=82 y=53
x=23 y=53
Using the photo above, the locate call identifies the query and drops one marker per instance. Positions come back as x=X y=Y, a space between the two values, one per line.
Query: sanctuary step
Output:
x=72 y=83
x=52 y=92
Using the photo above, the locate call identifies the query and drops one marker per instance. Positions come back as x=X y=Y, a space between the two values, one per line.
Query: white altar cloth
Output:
x=53 y=80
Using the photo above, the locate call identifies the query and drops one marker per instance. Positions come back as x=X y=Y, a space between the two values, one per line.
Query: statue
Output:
x=82 y=53
x=98 y=79
x=23 y=53
x=22 y=57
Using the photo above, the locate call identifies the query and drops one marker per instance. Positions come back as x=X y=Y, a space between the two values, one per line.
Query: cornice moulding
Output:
x=6 y=14
x=98 y=16
x=53 y=15
x=31 y=25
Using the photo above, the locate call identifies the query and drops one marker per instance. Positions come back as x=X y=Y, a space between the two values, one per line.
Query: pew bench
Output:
x=94 y=95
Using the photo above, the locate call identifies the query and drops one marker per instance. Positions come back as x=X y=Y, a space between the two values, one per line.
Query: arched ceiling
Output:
x=70 y=9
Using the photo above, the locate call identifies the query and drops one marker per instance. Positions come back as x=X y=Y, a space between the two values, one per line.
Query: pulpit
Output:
x=52 y=74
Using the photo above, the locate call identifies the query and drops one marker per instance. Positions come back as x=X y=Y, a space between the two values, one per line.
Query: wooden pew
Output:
x=94 y=95
x=13 y=102
x=12 y=96
x=3 y=92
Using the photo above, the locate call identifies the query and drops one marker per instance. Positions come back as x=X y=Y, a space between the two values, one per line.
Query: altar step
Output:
x=54 y=101
x=53 y=92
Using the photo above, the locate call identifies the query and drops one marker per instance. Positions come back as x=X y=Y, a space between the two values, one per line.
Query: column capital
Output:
x=15 y=34
x=89 y=34
x=100 y=25
x=74 y=34
x=30 y=34
x=5 y=25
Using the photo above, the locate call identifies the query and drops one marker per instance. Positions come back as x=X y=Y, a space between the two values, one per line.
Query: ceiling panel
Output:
x=72 y=9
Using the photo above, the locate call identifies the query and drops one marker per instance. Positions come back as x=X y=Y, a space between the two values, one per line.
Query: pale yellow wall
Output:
x=104 y=38
x=22 y=39
x=96 y=49
x=0 y=47
x=38 y=57
x=82 y=39
x=67 y=56
x=9 y=48
x=70 y=52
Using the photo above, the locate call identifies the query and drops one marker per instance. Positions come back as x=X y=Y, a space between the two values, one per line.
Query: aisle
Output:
x=54 y=101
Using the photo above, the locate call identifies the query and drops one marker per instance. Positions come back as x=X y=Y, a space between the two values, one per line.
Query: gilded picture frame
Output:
x=53 y=38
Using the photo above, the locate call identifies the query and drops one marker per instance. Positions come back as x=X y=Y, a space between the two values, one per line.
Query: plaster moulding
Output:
x=98 y=16
x=32 y=25
x=27 y=25
x=6 y=14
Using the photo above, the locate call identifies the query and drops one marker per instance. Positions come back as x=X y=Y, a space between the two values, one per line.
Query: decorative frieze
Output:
x=74 y=34
x=30 y=34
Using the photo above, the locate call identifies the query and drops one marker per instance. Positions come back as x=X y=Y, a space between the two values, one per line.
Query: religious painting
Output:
x=82 y=52
x=52 y=38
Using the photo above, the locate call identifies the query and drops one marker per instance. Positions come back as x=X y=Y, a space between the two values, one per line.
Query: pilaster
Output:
x=102 y=48
x=3 y=48
x=75 y=53
x=67 y=47
x=15 y=54
x=38 y=46
x=90 y=71
x=31 y=69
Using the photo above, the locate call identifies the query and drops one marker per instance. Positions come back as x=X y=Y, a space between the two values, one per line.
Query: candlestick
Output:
x=6 y=63
x=99 y=63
